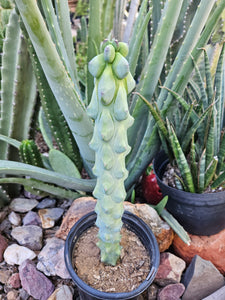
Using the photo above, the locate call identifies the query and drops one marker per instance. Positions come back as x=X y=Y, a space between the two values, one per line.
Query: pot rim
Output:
x=212 y=199
x=154 y=255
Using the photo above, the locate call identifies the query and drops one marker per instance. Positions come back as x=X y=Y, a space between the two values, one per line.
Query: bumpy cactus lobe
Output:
x=109 y=108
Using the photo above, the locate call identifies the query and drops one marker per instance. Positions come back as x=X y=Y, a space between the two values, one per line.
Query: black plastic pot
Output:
x=199 y=214
x=134 y=224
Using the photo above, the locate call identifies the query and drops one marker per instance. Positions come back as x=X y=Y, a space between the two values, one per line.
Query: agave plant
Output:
x=195 y=142
x=165 y=55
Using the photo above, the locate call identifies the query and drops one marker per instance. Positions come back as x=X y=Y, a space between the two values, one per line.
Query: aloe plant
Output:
x=200 y=155
x=56 y=72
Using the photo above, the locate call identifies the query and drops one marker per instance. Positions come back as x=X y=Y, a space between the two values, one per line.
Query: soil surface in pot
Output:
x=130 y=271
x=169 y=178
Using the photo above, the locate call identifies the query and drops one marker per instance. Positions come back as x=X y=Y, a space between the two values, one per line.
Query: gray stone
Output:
x=201 y=279
x=23 y=204
x=34 y=282
x=3 y=246
x=31 y=218
x=171 y=292
x=15 y=254
x=14 y=218
x=218 y=295
x=51 y=259
x=62 y=293
x=29 y=236
x=49 y=216
x=170 y=269
x=4 y=276
x=46 y=203
x=152 y=292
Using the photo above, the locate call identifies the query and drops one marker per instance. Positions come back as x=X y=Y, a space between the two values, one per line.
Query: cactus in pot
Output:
x=109 y=109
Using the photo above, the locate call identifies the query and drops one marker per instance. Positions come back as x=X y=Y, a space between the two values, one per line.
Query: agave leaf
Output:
x=17 y=168
x=37 y=185
x=136 y=47
x=10 y=141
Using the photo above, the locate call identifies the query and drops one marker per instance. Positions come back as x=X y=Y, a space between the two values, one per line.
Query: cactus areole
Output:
x=109 y=109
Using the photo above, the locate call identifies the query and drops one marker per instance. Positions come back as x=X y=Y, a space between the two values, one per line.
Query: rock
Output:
x=208 y=247
x=201 y=279
x=170 y=269
x=31 y=218
x=46 y=203
x=51 y=259
x=5 y=226
x=29 y=236
x=15 y=254
x=62 y=293
x=152 y=292
x=81 y=206
x=34 y=282
x=12 y=295
x=78 y=209
x=3 y=246
x=23 y=205
x=14 y=219
x=162 y=231
x=172 y=292
x=3 y=213
x=14 y=281
x=218 y=295
x=49 y=216
x=4 y=276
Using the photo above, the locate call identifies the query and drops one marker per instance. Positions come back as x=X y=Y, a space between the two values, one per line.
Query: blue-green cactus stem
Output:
x=109 y=108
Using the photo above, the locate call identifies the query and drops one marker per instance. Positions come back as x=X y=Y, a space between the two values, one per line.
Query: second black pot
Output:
x=134 y=224
x=199 y=214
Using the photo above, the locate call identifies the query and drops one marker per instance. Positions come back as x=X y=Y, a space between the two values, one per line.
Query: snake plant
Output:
x=195 y=141
x=165 y=55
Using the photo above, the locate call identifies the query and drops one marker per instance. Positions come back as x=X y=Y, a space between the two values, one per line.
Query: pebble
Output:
x=172 y=292
x=46 y=203
x=51 y=259
x=14 y=281
x=201 y=279
x=30 y=236
x=49 y=216
x=4 y=276
x=12 y=295
x=34 y=282
x=14 y=219
x=15 y=254
x=3 y=246
x=23 y=205
x=31 y=218
x=62 y=293
x=170 y=269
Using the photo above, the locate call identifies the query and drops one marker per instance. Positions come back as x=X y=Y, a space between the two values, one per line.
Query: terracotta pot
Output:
x=199 y=214
x=134 y=224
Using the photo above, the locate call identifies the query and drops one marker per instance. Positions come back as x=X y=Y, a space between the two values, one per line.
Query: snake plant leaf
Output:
x=17 y=168
x=61 y=163
x=210 y=171
x=181 y=159
x=201 y=173
x=221 y=154
x=220 y=181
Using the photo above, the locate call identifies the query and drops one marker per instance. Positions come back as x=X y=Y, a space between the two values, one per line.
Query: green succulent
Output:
x=194 y=140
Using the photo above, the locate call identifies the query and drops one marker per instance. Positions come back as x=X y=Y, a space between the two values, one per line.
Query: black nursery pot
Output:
x=134 y=224
x=199 y=214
